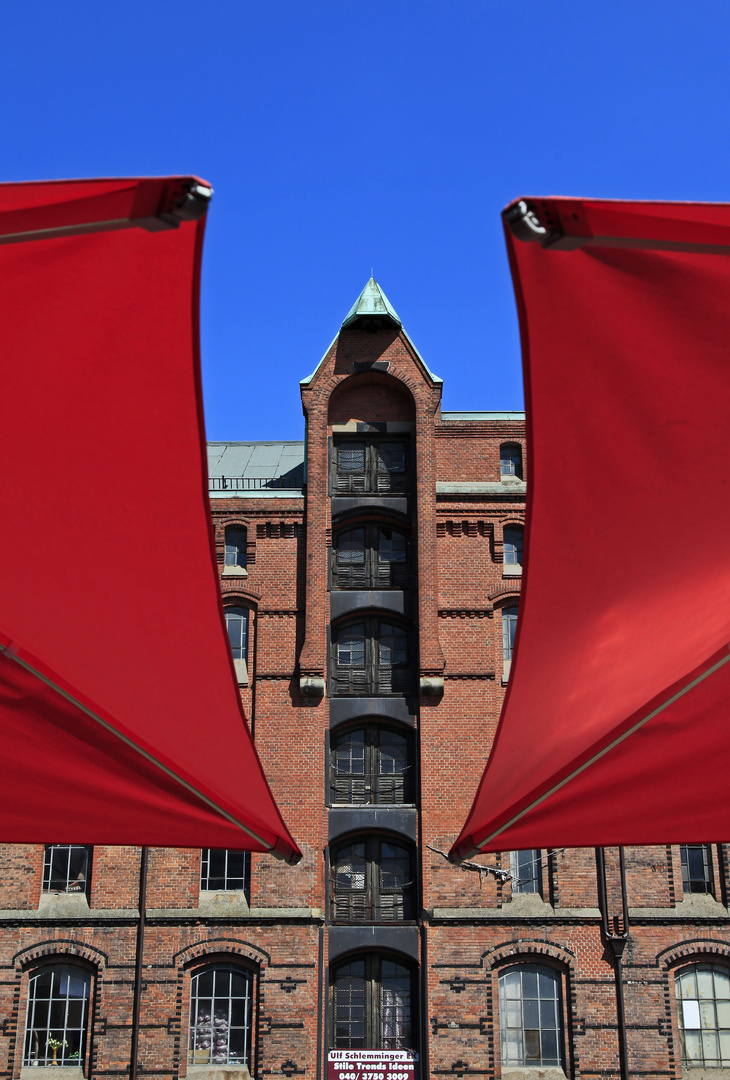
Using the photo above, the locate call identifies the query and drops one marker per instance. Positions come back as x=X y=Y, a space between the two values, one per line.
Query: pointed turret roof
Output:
x=371 y=301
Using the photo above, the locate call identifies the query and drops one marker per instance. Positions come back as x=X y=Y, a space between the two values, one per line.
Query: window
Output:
x=370 y=657
x=220 y=1016
x=237 y=627
x=370 y=557
x=371 y=1005
x=66 y=869
x=703 y=1007
x=526 y=871
x=55 y=1031
x=530 y=1016
x=225 y=870
x=510 y=460
x=513 y=543
x=371 y=765
x=509 y=630
x=370 y=467
x=696 y=868
x=235 y=557
x=372 y=881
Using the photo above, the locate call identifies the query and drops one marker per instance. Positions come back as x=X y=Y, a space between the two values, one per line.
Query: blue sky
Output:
x=342 y=136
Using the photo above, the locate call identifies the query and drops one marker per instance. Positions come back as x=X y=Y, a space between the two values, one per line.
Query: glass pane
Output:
x=691 y=1015
x=351 y=646
x=710 y=1048
x=235 y=546
x=532 y=1045
x=391 y=546
x=722 y=985
x=511 y=984
x=687 y=985
x=723 y=1014
x=529 y=983
x=352 y=457
x=393 y=754
x=351 y=547
x=705 y=985
x=693 y=1046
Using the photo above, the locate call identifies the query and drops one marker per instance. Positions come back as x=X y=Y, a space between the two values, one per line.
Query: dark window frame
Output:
x=365 y=674
x=358 y=465
x=383 y=896
x=232 y=859
x=369 y=572
x=370 y=1003
x=526 y=872
x=692 y=882
x=202 y=1029
x=513 y=541
x=511 y=460
x=75 y=878
x=239 y=610
x=510 y=614
x=237 y=551
x=372 y=786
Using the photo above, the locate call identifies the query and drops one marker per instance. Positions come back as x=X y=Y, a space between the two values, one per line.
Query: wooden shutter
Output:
x=390 y=467
x=351 y=884
x=395 y=884
x=350 y=465
x=350 y=560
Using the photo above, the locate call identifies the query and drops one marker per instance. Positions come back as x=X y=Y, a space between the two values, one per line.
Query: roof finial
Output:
x=372 y=275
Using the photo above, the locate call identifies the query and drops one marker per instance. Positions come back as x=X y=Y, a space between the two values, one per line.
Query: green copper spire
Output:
x=371 y=301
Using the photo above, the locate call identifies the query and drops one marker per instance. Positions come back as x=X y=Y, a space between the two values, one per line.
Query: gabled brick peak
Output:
x=372 y=301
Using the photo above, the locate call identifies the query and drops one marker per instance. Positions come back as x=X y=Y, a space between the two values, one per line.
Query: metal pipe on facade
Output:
x=425 y=1068
x=617 y=942
x=133 y=1063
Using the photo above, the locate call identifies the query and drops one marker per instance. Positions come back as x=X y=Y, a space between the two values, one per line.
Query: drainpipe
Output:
x=133 y=1063
x=425 y=1066
x=616 y=934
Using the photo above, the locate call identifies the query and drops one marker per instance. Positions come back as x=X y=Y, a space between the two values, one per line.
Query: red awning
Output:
x=120 y=717
x=615 y=727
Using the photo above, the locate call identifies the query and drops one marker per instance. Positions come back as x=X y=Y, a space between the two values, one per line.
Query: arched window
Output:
x=370 y=556
x=510 y=460
x=373 y=880
x=509 y=632
x=370 y=657
x=66 y=868
x=513 y=544
x=696 y=868
x=235 y=555
x=225 y=870
x=237 y=627
x=370 y=467
x=530 y=1016
x=703 y=1006
x=372 y=764
x=220 y=1016
x=55 y=1032
x=373 y=1004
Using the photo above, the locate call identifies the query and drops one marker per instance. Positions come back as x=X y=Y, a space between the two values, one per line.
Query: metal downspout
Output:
x=133 y=1063
x=617 y=939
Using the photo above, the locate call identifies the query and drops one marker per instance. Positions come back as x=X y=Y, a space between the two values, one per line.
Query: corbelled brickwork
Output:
x=466 y=929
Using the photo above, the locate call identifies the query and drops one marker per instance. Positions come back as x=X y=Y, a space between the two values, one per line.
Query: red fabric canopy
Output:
x=120 y=717
x=615 y=725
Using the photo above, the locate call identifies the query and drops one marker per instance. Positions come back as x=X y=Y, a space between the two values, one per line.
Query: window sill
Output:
x=234 y=571
x=223 y=902
x=62 y=903
x=511 y=571
x=506 y=667
x=219 y=1072
x=532 y=1072
x=45 y=1072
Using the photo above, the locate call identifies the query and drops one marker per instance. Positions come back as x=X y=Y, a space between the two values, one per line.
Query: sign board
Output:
x=372 y=1065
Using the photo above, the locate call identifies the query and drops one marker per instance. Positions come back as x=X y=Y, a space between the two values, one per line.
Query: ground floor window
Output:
x=530 y=1016
x=703 y=1006
x=55 y=1033
x=372 y=1004
x=220 y=1016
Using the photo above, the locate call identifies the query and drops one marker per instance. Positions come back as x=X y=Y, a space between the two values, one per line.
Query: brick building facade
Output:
x=371 y=578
